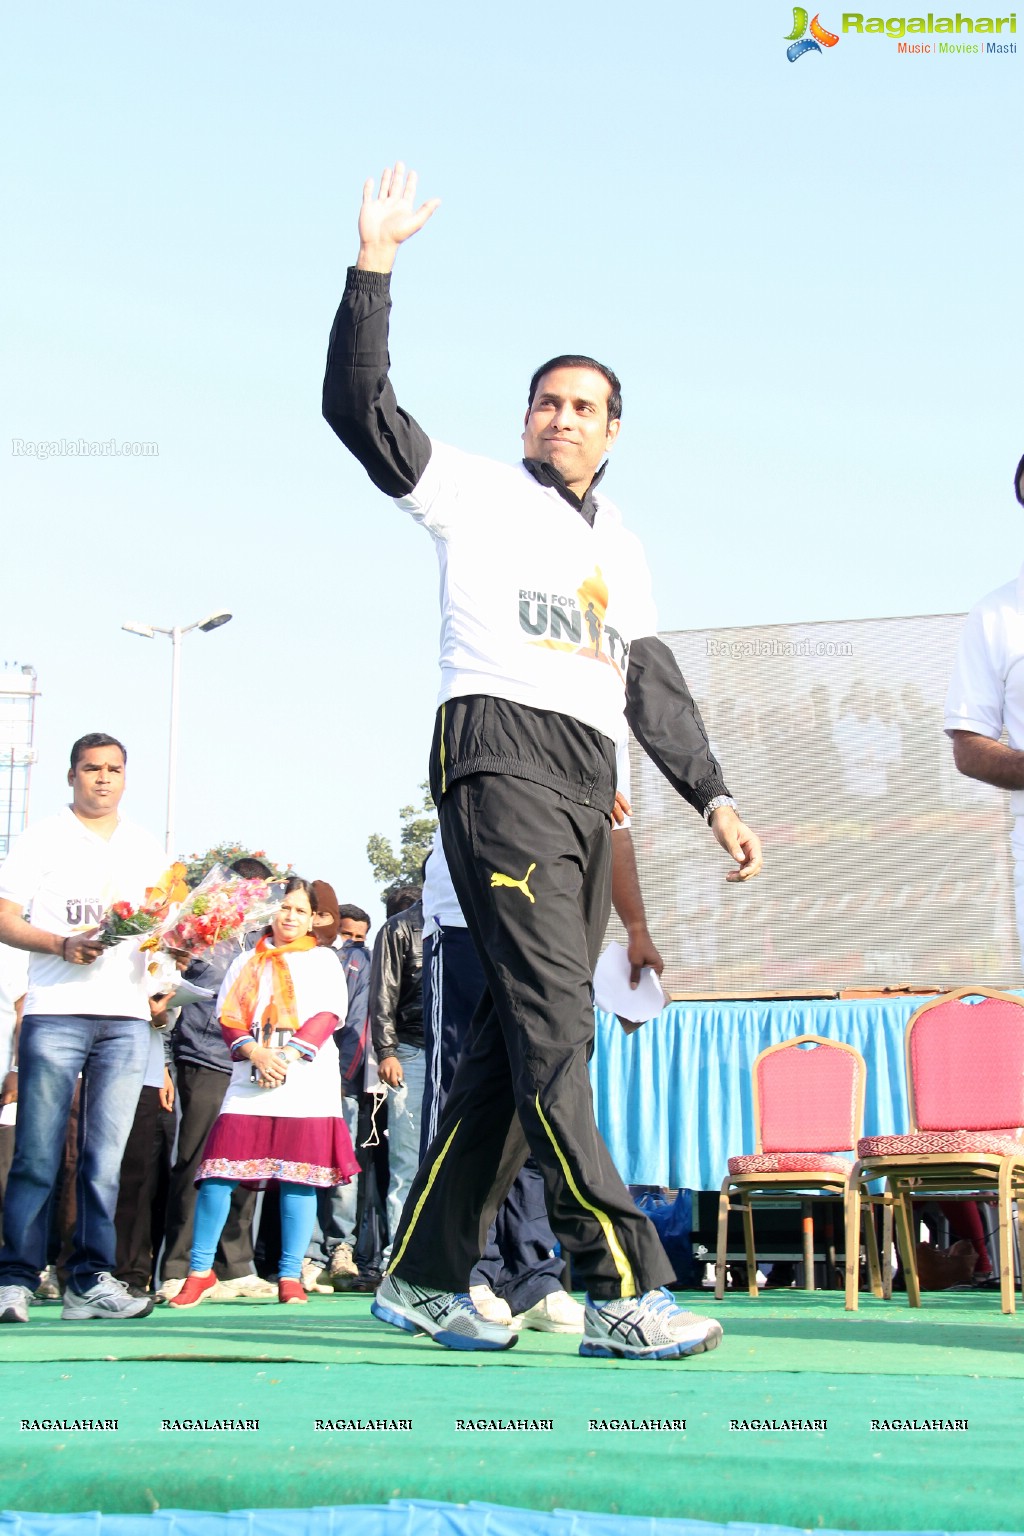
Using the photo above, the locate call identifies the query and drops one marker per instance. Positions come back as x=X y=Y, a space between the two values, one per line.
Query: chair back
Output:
x=965 y=1062
x=809 y=1096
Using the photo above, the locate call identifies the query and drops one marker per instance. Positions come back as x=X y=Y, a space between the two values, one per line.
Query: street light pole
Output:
x=175 y=635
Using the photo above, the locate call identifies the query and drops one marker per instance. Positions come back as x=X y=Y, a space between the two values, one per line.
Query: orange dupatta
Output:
x=239 y=1010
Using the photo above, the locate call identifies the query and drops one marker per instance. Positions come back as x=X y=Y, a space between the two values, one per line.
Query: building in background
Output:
x=18 y=694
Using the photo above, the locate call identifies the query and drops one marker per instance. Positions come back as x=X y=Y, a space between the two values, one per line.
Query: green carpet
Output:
x=790 y=1356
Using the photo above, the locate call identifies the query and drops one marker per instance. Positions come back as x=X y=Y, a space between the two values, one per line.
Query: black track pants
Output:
x=532 y=871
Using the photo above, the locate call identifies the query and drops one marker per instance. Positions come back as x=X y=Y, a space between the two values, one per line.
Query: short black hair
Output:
x=399 y=897
x=296 y=883
x=355 y=915
x=1018 y=473
x=577 y=360
x=95 y=739
x=251 y=869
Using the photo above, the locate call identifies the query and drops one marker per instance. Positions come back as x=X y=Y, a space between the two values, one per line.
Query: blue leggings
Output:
x=298 y=1213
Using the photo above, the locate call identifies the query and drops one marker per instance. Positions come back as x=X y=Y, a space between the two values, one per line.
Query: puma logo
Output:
x=517 y=885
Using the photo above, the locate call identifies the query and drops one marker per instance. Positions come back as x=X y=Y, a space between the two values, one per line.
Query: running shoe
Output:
x=449 y=1317
x=647 y=1327
x=108 y=1298
x=15 y=1301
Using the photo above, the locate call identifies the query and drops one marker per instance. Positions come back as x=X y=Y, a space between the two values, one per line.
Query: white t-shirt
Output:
x=986 y=690
x=537 y=606
x=66 y=876
x=312 y=1089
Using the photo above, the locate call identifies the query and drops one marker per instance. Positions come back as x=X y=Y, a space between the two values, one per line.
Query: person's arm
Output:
x=307 y=1040
x=385 y=987
x=666 y=722
x=992 y=762
x=75 y=948
x=359 y=402
x=628 y=901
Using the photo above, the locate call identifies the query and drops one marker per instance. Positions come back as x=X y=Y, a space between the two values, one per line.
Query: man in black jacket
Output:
x=396 y=1020
x=523 y=773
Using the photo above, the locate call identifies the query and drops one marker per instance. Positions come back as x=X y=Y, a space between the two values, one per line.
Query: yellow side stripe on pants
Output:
x=614 y=1246
x=396 y=1258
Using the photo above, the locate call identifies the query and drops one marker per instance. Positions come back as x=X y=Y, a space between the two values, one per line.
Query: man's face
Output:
x=567 y=424
x=352 y=930
x=97 y=782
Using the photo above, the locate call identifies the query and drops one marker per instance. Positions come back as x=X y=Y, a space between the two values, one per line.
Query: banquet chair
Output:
x=808 y=1106
x=965 y=1085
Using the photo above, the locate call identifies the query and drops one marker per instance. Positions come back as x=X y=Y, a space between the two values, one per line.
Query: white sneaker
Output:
x=557 y=1312
x=310 y=1277
x=108 y=1298
x=168 y=1290
x=647 y=1327
x=491 y=1307
x=15 y=1301
x=449 y=1317
x=48 y=1288
x=244 y=1288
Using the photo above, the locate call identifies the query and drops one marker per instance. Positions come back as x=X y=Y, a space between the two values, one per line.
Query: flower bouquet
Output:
x=222 y=906
x=123 y=921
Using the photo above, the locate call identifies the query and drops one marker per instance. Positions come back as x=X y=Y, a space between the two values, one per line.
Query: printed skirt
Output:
x=253 y=1150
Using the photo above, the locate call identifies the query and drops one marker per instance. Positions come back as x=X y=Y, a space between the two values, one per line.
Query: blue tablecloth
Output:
x=674 y=1099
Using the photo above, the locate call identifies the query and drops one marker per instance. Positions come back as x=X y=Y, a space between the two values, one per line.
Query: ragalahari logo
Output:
x=799 y=43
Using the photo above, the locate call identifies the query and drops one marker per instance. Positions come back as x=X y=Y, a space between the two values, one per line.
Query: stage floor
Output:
x=786 y=1358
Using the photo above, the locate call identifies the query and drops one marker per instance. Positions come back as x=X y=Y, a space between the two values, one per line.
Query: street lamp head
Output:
x=145 y=630
x=214 y=621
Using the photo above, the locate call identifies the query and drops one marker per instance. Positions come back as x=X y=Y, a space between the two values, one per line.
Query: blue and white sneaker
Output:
x=449 y=1317
x=647 y=1327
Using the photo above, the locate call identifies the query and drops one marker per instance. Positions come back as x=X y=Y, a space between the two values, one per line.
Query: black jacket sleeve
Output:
x=667 y=723
x=359 y=402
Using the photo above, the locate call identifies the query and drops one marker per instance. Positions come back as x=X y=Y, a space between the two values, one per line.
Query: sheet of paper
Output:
x=613 y=993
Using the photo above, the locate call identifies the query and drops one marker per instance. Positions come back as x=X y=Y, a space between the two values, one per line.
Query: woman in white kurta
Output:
x=281 y=1119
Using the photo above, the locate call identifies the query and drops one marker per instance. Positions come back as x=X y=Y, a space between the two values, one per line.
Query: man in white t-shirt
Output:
x=986 y=697
x=548 y=634
x=87 y=1010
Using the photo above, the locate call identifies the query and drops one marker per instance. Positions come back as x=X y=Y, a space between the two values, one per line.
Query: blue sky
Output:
x=807 y=276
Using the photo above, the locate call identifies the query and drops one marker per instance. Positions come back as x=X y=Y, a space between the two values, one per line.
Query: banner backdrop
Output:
x=883 y=865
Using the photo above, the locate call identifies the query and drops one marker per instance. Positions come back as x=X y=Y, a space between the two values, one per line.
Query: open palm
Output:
x=389 y=215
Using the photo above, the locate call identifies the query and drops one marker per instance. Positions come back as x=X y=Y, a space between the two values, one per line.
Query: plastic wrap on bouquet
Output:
x=122 y=921
x=223 y=906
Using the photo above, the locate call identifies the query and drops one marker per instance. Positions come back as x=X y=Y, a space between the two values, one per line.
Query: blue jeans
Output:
x=336 y=1208
x=111 y=1056
x=405 y=1107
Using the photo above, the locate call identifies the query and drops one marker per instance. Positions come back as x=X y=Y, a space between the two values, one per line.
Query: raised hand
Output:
x=388 y=217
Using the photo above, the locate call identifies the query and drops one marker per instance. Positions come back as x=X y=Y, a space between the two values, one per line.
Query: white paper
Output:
x=613 y=993
x=188 y=992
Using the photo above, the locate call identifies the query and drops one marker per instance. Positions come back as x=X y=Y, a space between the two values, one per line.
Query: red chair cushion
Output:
x=923 y=1143
x=789 y=1162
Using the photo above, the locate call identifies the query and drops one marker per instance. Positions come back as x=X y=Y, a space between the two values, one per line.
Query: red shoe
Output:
x=194 y=1290
x=291 y=1290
